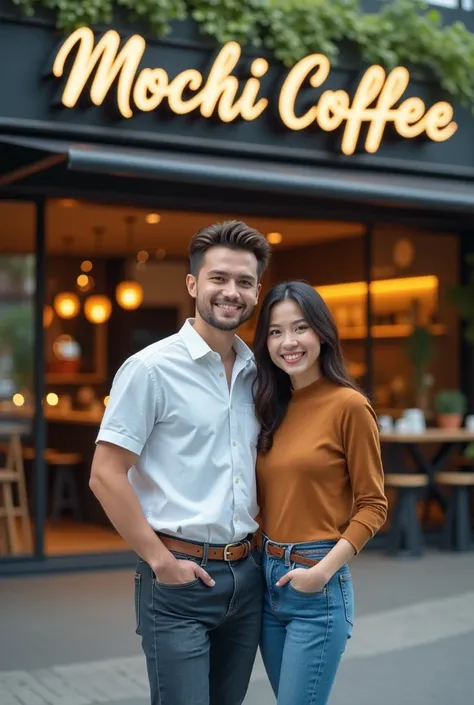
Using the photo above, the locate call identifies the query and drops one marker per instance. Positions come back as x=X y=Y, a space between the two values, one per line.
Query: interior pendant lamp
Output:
x=129 y=293
x=66 y=304
x=98 y=307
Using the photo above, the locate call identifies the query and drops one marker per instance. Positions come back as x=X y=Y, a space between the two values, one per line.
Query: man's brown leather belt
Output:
x=295 y=557
x=232 y=552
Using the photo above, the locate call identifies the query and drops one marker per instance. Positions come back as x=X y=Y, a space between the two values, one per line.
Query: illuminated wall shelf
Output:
x=401 y=330
x=398 y=330
x=406 y=300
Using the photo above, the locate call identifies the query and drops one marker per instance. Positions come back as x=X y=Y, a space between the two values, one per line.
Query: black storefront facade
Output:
x=115 y=116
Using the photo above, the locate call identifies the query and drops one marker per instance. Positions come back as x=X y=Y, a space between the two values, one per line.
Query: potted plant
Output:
x=420 y=349
x=462 y=296
x=450 y=406
x=469 y=451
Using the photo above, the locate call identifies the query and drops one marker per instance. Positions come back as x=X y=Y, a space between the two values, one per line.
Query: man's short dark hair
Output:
x=233 y=234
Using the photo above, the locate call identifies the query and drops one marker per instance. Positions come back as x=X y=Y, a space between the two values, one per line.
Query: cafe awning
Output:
x=356 y=185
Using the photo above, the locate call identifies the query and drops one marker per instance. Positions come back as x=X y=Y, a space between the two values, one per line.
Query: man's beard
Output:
x=207 y=315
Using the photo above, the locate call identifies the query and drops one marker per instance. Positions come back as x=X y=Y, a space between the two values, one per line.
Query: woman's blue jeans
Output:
x=304 y=634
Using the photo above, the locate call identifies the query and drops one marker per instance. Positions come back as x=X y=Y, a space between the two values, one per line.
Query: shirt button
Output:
x=234 y=443
x=221 y=374
x=237 y=517
x=236 y=480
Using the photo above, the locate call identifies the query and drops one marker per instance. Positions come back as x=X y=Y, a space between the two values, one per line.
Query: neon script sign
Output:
x=104 y=66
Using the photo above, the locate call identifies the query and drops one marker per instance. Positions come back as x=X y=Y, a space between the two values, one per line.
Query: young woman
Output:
x=321 y=491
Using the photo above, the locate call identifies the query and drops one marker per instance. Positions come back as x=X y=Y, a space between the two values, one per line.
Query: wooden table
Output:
x=447 y=440
x=9 y=429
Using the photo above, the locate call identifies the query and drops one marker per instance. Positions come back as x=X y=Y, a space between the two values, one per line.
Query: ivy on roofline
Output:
x=403 y=32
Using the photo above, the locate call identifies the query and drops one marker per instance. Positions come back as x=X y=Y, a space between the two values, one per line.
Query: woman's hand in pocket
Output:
x=304 y=580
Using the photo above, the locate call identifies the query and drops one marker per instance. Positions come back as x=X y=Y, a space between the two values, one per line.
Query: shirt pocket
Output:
x=251 y=425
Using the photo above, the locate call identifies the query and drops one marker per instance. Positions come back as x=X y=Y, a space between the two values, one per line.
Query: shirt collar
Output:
x=197 y=346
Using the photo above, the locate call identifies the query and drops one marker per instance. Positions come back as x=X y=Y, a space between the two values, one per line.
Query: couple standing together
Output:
x=245 y=482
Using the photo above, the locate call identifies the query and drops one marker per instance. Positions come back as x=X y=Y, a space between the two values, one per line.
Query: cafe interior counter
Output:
x=91 y=416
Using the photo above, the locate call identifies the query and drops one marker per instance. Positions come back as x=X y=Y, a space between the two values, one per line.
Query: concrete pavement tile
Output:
x=437 y=674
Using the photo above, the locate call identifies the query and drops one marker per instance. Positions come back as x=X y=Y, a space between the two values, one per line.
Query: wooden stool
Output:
x=457 y=534
x=405 y=530
x=65 y=488
x=12 y=481
x=29 y=454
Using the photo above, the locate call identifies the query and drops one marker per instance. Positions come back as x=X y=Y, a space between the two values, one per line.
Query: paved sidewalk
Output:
x=69 y=639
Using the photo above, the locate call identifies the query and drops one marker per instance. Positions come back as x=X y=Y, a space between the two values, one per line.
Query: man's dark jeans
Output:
x=200 y=642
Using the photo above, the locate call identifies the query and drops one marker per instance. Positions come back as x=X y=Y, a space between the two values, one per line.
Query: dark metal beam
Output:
x=25 y=171
x=274 y=178
x=39 y=377
x=369 y=341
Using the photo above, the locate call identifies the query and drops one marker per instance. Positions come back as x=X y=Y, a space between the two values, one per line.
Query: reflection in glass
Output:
x=16 y=324
x=17 y=285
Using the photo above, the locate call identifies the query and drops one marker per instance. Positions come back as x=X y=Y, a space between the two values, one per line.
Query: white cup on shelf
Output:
x=402 y=425
x=415 y=419
x=385 y=423
x=469 y=423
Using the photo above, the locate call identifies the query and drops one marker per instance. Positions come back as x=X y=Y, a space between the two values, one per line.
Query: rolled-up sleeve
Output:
x=132 y=410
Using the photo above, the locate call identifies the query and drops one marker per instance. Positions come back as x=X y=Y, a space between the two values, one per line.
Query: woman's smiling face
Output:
x=293 y=345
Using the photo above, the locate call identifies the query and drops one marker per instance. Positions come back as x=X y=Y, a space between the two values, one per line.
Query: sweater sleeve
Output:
x=360 y=436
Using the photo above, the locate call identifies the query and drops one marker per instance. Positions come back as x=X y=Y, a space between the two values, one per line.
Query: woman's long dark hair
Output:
x=272 y=388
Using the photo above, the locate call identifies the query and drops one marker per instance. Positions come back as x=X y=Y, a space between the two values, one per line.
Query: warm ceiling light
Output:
x=152 y=218
x=129 y=295
x=85 y=283
x=82 y=280
x=52 y=399
x=18 y=399
x=274 y=238
x=86 y=266
x=66 y=304
x=48 y=315
x=68 y=202
x=407 y=285
x=97 y=309
x=160 y=254
x=142 y=256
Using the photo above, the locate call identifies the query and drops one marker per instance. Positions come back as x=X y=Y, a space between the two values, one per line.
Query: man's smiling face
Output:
x=226 y=288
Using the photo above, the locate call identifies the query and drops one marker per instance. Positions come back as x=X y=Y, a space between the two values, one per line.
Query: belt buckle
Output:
x=227 y=548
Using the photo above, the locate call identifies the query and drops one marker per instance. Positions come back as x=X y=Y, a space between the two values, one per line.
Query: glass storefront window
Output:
x=415 y=328
x=331 y=257
x=89 y=329
x=17 y=392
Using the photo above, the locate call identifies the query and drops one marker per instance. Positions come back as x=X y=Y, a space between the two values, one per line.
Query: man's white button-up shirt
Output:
x=196 y=439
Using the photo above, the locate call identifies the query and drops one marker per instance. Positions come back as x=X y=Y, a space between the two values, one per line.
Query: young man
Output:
x=174 y=470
